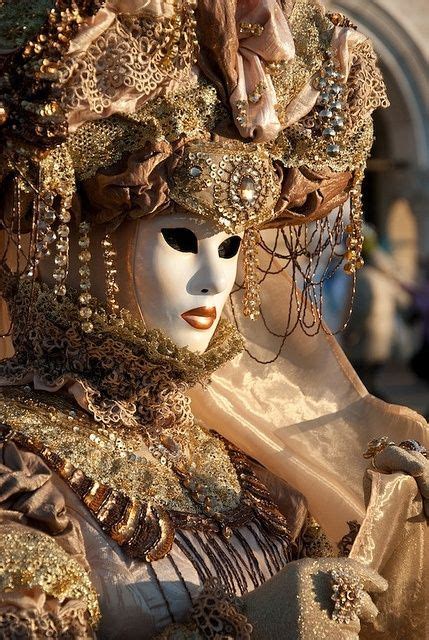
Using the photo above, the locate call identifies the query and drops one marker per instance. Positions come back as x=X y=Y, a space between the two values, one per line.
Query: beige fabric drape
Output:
x=308 y=418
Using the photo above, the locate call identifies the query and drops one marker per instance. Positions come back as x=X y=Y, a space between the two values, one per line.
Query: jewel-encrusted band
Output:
x=347 y=596
x=232 y=183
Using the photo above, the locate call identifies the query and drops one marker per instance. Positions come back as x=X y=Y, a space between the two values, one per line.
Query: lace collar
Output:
x=124 y=369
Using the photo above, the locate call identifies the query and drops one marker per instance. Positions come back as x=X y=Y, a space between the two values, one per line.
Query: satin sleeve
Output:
x=394 y=540
x=45 y=589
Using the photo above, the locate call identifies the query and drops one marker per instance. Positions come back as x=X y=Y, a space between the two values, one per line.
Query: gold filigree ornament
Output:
x=232 y=183
x=347 y=596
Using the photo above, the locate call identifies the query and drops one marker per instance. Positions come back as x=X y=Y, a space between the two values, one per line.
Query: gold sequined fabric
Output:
x=311 y=31
x=31 y=559
x=146 y=467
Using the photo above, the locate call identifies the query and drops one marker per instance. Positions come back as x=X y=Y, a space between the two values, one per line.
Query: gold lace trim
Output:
x=215 y=616
x=33 y=559
x=134 y=57
x=127 y=371
x=366 y=88
x=28 y=624
x=144 y=467
x=189 y=111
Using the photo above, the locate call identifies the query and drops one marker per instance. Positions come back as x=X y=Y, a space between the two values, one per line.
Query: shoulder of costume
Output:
x=139 y=503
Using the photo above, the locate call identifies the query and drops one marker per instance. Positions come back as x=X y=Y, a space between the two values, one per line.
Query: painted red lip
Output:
x=201 y=317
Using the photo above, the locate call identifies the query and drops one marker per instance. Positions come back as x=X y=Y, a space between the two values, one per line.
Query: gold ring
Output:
x=376 y=445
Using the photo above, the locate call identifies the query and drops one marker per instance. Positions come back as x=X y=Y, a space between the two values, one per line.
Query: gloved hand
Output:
x=394 y=458
x=297 y=604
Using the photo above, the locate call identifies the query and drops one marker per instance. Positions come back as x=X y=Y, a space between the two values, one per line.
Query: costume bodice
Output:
x=138 y=599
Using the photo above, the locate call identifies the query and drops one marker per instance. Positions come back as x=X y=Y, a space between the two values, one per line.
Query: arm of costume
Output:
x=296 y=604
x=44 y=585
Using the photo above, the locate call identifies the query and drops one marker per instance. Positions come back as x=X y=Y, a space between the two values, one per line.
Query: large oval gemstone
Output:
x=247 y=189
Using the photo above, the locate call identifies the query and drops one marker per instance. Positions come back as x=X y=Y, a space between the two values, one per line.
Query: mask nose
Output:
x=210 y=279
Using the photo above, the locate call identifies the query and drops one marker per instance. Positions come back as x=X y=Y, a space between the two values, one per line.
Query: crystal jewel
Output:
x=247 y=189
x=195 y=171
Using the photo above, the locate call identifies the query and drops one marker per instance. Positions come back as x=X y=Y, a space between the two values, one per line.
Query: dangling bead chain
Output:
x=62 y=250
x=355 y=238
x=109 y=256
x=330 y=106
x=251 y=298
x=45 y=219
x=85 y=298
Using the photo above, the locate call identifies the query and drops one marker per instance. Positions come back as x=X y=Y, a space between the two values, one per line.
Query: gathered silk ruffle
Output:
x=30 y=501
x=275 y=44
x=234 y=61
x=29 y=497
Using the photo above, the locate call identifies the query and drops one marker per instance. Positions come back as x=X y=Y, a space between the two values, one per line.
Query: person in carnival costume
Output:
x=184 y=447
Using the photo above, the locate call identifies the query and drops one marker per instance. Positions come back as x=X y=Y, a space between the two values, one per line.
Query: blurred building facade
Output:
x=397 y=184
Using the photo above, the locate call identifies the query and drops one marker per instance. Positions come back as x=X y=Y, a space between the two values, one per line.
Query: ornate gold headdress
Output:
x=131 y=108
x=230 y=182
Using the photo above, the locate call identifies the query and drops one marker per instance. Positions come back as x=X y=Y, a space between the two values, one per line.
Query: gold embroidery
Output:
x=33 y=559
x=139 y=53
x=138 y=501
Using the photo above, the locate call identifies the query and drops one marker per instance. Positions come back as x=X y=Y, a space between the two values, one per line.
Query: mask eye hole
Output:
x=229 y=247
x=181 y=239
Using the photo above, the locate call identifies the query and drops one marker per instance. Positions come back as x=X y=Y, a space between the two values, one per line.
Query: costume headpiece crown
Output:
x=116 y=105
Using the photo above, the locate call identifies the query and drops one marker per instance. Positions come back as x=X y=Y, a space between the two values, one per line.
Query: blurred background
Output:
x=388 y=336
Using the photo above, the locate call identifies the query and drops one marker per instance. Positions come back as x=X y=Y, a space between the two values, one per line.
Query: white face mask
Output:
x=184 y=270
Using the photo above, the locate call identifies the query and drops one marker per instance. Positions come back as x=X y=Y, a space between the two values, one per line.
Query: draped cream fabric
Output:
x=308 y=418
